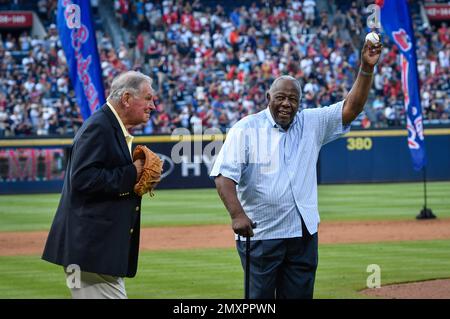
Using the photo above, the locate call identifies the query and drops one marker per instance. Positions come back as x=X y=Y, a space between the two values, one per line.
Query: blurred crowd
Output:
x=212 y=65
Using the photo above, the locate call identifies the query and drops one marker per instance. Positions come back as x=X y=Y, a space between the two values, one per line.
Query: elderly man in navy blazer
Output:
x=97 y=223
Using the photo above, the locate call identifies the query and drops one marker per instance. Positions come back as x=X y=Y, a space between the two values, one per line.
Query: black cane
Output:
x=247 y=265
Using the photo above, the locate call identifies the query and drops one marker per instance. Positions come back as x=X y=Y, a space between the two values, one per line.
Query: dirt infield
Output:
x=431 y=289
x=221 y=236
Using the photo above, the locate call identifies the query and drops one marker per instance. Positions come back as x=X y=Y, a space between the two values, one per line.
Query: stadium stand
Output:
x=212 y=62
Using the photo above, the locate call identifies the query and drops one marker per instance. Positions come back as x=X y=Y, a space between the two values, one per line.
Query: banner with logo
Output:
x=397 y=24
x=78 y=41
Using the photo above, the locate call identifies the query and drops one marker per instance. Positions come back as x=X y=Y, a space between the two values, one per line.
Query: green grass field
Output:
x=216 y=273
x=203 y=206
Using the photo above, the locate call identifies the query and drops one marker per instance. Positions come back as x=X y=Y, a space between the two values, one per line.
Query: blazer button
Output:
x=131 y=230
x=137 y=208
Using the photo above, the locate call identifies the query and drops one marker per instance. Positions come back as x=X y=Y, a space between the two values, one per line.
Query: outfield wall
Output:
x=383 y=156
x=37 y=165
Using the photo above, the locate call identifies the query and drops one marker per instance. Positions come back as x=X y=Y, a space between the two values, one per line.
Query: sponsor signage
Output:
x=16 y=19
x=438 y=11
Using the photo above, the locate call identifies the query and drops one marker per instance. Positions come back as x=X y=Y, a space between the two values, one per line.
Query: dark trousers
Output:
x=282 y=268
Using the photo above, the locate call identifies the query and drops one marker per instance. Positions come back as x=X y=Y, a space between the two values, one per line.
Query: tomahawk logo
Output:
x=405 y=78
x=402 y=39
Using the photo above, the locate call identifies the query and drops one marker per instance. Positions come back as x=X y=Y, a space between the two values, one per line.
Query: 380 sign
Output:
x=359 y=143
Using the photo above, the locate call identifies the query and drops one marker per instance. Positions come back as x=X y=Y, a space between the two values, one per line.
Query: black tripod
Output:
x=425 y=213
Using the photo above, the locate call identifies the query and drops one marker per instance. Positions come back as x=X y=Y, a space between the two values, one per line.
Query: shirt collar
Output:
x=124 y=129
x=270 y=118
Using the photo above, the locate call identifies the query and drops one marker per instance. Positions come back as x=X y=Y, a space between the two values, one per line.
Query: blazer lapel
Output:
x=118 y=132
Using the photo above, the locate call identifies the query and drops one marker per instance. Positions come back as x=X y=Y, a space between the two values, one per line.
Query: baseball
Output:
x=373 y=37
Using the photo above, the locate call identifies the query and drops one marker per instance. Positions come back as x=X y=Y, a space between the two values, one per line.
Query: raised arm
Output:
x=240 y=223
x=357 y=97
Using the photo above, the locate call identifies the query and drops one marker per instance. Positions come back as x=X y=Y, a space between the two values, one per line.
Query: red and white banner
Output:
x=16 y=19
x=438 y=11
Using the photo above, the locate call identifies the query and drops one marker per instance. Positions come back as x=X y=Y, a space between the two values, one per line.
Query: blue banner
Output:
x=78 y=41
x=397 y=24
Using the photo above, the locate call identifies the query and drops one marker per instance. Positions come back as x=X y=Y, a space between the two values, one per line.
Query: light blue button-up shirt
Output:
x=275 y=170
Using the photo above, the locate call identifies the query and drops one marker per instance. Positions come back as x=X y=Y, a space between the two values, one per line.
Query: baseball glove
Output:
x=151 y=172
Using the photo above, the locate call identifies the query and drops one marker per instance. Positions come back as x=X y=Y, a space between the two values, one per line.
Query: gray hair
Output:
x=289 y=78
x=129 y=81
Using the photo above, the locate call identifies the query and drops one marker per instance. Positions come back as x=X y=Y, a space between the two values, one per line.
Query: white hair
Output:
x=129 y=81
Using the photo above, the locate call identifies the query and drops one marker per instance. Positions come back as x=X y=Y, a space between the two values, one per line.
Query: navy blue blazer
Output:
x=97 y=222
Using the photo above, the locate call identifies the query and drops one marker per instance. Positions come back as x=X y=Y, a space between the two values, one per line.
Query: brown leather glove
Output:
x=151 y=172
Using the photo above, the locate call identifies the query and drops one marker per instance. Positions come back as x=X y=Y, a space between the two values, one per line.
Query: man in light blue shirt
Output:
x=266 y=173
